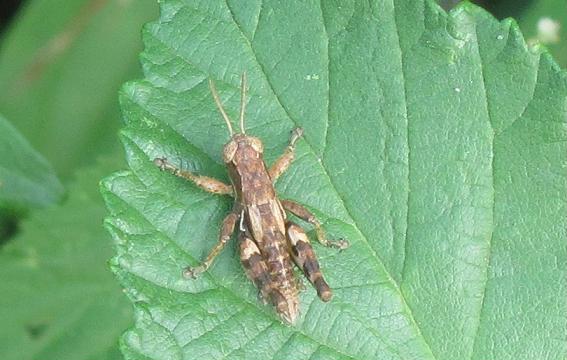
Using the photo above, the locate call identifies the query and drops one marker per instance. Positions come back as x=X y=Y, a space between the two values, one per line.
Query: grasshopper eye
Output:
x=256 y=144
x=229 y=151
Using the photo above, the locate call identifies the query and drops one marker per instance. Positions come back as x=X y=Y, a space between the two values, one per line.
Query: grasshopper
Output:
x=268 y=241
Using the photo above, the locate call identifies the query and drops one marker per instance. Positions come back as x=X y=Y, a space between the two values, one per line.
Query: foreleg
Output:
x=283 y=162
x=204 y=182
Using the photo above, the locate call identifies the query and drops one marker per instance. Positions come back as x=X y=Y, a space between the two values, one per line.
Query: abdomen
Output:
x=267 y=227
x=284 y=294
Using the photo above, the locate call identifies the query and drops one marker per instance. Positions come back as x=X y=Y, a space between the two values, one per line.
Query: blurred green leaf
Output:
x=61 y=65
x=435 y=143
x=59 y=300
x=26 y=178
x=553 y=9
x=528 y=13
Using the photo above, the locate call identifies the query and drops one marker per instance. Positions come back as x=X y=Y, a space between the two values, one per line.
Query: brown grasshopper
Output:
x=268 y=240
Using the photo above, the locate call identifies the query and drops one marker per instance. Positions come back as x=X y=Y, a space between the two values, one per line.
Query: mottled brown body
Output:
x=269 y=243
x=263 y=227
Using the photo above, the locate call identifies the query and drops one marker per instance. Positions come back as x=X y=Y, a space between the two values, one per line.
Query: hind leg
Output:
x=304 y=257
x=254 y=266
x=301 y=212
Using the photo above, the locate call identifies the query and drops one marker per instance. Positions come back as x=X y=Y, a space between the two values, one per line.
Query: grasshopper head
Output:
x=244 y=145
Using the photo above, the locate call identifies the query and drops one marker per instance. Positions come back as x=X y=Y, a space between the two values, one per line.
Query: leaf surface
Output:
x=26 y=178
x=61 y=64
x=434 y=142
x=555 y=10
x=59 y=300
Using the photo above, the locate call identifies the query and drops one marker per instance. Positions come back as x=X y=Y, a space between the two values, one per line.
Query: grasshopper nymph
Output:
x=269 y=242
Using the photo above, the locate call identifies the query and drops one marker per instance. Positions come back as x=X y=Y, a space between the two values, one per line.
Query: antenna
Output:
x=219 y=106
x=242 y=101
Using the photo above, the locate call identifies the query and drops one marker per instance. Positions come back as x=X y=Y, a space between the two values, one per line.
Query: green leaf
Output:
x=528 y=14
x=553 y=9
x=26 y=178
x=435 y=143
x=61 y=64
x=59 y=300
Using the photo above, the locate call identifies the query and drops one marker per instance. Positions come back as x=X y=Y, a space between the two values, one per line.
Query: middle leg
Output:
x=227 y=229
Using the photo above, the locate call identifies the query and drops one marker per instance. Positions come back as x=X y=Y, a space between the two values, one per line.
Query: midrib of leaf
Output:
x=378 y=261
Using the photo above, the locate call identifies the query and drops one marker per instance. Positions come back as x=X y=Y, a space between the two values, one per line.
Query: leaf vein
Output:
x=328 y=84
x=252 y=338
x=492 y=160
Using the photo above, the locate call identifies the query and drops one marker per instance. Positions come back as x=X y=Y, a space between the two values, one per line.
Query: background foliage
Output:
x=61 y=65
